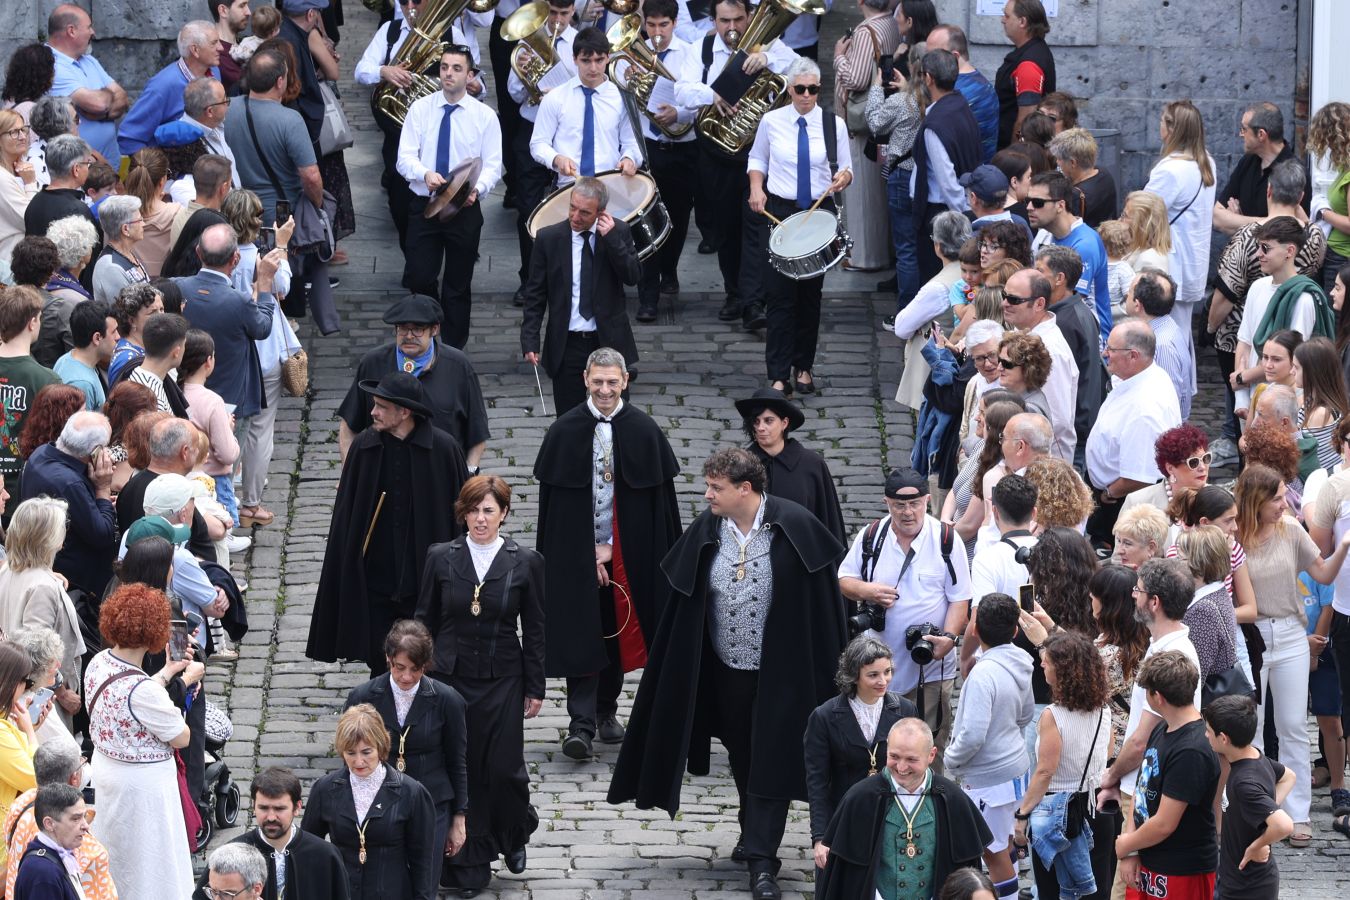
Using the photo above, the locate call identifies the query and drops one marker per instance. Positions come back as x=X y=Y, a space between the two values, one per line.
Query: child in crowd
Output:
x=99 y=185
x=266 y=23
x=209 y=412
x=1115 y=235
x=962 y=293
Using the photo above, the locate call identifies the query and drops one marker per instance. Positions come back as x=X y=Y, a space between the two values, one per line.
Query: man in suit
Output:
x=577 y=273
x=232 y=318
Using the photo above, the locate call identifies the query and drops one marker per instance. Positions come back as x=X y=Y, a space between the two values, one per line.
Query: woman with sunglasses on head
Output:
x=1024 y=367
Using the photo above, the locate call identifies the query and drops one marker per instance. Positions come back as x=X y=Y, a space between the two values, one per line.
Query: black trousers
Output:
x=396 y=189
x=1101 y=525
x=499 y=55
x=793 y=309
x=591 y=698
x=675 y=168
x=731 y=695
x=723 y=187
x=569 y=386
x=533 y=184
x=449 y=250
x=929 y=264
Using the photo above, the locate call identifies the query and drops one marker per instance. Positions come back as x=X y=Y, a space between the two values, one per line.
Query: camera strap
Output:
x=871 y=547
x=1017 y=532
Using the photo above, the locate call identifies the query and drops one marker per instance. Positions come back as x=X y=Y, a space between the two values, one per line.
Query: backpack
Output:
x=871 y=548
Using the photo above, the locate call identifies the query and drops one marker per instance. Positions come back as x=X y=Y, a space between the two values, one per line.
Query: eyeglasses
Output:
x=1138 y=591
x=218 y=103
x=990 y=246
x=218 y=894
x=1008 y=365
x=985 y=359
x=811 y=89
x=1109 y=350
x=21 y=131
x=1195 y=462
x=1038 y=202
x=1014 y=300
x=414 y=330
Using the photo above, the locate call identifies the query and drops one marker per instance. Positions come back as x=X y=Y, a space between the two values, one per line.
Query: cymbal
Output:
x=449 y=199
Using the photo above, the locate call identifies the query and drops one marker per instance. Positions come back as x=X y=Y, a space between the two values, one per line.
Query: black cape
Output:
x=338 y=629
x=803 y=637
x=803 y=476
x=854 y=837
x=648 y=518
x=313 y=872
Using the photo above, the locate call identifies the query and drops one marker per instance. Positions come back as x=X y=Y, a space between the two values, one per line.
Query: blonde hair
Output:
x=989 y=303
x=1062 y=499
x=1117 y=236
x=1148 y=222
x=9 y=120
x=1076 y=144
x=1144 y=523
x=35 y=534
x=1207 y=552
x=362 y=725
x=1186 y=137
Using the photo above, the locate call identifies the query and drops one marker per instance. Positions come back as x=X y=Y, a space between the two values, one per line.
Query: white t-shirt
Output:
x=995 y=570
x=1177 y=640
x=1259 y=296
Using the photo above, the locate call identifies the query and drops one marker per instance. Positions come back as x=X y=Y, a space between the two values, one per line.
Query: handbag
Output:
x=313 y=225
x=855 y=106
x=335 y=132
x=1222 y=684
x=1080 y=804
x=295 y=374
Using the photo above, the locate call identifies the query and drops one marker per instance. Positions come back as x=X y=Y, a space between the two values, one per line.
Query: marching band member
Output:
x=722 y=179
x=789 y=169
x=499 y=56
x=695 y=20
x=377 y=66
x=440 y=131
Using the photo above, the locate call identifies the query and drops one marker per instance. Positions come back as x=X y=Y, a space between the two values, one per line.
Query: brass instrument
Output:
x=421 y=53
x=644 y=67
x=733 y=134
x=618 y=7
x=529 y=25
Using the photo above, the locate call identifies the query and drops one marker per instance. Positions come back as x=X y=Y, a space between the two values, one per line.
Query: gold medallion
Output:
x=911 y=851
x=740 y=573
x=401 y=765
x=475 y=607
x=871 y=770
x=608 y=476
x=361 y=856
x=409 y=365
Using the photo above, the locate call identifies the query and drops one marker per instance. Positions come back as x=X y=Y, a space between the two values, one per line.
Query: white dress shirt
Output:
x=562 y=116
x=184 y=190
x=689 y=29
x=474 y=131
x=774 y=152
x=693 y=90
x=574 y=321
x=1061 y=387
x=663 y=92
x=515 y=88
x=1131 y=418
x=375 y=56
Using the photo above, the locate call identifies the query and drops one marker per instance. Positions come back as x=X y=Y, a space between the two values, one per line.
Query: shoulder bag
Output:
x=313 y=225
x=855 y=106
x=335 y=133
x=1080 y=804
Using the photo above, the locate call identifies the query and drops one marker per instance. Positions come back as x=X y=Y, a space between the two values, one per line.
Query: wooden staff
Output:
x=379 y=504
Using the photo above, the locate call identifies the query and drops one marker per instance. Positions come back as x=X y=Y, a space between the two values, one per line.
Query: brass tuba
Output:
x=529 y=25
x=422 y=53
x=644 y=67
x=733 y=134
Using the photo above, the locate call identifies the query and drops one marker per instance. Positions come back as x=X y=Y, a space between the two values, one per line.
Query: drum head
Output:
x=550 y=212
x=628 y=194
x=803 y=233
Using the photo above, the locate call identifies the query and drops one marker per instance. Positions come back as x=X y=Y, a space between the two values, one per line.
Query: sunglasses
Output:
x=811 y=89
x=1038 y=202
x=1014 y=300
x=1008 y=365
x=1195 y=462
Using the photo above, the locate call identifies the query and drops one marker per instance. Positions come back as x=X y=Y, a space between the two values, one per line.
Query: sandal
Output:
x=255 y=515
x=1302 y=835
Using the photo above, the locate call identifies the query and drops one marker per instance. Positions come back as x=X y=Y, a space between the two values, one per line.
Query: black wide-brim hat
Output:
x=768 y=398
x=401 y=389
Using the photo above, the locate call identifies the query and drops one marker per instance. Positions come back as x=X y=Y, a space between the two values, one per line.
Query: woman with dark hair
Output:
x=1317 y=373
x=1017 y=168
x=29 y=75
x=793 y=472
x=133 y=305
x=1183 y=458
x=169 y=293
x=1004 y=240
x=479 y=592
x=53 y=405
x=148 y=561
x=425 y=719
x=846 y=735
x=1340 y=282
x=1073 y=742
x=914 y=19
x=989 y=423
x=18 y=740
x=1041 y=160
x=1061 y=563
x=967 y=884
x=1121 y=639
x=1039 y=129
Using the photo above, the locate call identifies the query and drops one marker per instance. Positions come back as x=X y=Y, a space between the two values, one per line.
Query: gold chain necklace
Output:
x=911 y=851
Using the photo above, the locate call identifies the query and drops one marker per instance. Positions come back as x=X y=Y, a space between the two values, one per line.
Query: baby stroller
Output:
x=219 y=802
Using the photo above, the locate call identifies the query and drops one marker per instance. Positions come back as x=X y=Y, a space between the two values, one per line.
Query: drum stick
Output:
x=771 y=217
x=379 y=504
x=816 y=205
x=540 y=386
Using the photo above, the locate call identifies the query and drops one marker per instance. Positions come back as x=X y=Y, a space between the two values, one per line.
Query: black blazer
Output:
x=550 y=287
x=485 y=645
x=837 y=756
x=437 y=741
x=400 y=861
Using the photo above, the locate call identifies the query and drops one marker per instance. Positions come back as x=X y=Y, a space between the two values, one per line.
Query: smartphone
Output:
x=283 y=211
x=178 y=639
x=1110 y=808
x=887 y=64
x=267 y=240
x=1026 y=595
x=39 y=703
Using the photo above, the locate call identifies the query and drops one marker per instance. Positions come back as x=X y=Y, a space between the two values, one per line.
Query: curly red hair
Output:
x=135 y=615
x=53 y=405
x=1174 y=445
x=1269 y=445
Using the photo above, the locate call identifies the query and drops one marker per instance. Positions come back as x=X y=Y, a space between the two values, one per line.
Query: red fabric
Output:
x=1028 y=78
x=192 y=817
x=632 y=648
x=1172 y=887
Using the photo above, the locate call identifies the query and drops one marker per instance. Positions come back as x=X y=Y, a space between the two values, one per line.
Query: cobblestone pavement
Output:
x=284 y=706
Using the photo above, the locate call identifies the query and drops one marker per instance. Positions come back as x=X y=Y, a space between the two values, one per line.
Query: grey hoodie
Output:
x=987 y=747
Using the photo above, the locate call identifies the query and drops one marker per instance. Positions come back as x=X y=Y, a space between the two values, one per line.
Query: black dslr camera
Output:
x=869 y=615
x=921 y=649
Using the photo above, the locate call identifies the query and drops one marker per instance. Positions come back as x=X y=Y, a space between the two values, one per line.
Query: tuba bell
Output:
x=421 y=53
x=733 y=134
x=644 y=67
x=529 y=25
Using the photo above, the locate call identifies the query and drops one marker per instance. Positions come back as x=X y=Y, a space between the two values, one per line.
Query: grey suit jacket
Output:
x=234 y=321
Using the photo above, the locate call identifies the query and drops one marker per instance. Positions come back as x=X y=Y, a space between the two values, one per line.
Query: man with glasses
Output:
x=236 y=872
x=68 y=159
x=1151 y=297
x=200 y=132
x=903 y=573
x=449 y=383
x=98 y=99
x=161 y=101
x=1026 y=299
x=1054 y=206
x=1243 y=198
x=1143 y=404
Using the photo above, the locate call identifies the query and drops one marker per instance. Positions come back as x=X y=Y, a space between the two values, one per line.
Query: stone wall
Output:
x=1130 y=57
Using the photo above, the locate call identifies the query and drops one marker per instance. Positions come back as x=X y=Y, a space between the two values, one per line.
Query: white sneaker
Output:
x=237 y=543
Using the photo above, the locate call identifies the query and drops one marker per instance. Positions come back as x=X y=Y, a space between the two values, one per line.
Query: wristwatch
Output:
x=1240 y=382
x=1021 y=816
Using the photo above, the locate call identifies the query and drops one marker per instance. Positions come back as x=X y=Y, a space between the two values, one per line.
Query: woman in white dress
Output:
x=135 y=728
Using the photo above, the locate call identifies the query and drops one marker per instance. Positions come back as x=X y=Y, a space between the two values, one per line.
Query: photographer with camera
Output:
x=903 y=579
x=1000 y=568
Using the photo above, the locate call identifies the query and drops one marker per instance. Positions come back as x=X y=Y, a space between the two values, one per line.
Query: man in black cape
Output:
x=396 y=498
x=450 y=385
x=746 y=648
x=312 y=868
x=899 y=833
x=607 y=516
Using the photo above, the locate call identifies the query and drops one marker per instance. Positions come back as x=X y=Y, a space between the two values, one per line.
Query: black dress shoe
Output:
x=670 y=285
x=609 y=731
x=805 y=387
x=518 y=299
x=469 y=892
x=764 y=886
x=577 y=745
x=738 y=852
x=754 y=319
x=646 y=311
x=509 y=201
x=515 y=860
x=730 y=311
x=705 y=248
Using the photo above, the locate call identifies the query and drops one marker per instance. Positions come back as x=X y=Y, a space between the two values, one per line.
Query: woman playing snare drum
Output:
x=789 y=172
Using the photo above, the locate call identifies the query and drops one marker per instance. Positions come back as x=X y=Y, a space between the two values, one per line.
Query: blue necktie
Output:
x=588 y=135
x=443 y=145
x=803 y=165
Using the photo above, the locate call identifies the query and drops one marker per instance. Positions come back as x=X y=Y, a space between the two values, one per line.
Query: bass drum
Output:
x=632 y=198
x=808 y=244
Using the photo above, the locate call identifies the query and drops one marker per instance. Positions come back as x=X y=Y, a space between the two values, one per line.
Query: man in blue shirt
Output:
x=94 y=333
x=1050 y=204
x=98 y=99
x=977 y=90
x=162 y=100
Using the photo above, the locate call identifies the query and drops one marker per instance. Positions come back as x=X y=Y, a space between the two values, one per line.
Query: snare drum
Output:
x=634 y=199
x=808 y=244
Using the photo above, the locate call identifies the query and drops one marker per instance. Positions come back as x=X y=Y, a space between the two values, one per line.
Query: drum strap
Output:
x=828 y=125
x=708 y=54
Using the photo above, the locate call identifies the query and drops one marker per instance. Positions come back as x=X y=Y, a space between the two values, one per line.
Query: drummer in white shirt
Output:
x=789 y=170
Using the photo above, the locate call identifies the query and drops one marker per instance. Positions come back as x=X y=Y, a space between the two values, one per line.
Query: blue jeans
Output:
x=225 y=494
x=902 y=236
x=1071 y=857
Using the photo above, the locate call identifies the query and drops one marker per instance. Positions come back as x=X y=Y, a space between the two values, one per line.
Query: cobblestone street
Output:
x=284 y=706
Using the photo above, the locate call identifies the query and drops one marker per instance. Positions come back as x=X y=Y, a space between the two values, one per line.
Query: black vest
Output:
x=954 y=124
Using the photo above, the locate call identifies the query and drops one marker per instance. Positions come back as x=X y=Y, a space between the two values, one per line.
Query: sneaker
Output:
x=1225 y=452
x=888 y=324
x=334 y=281
x=237 y=543
x=1340 y=802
